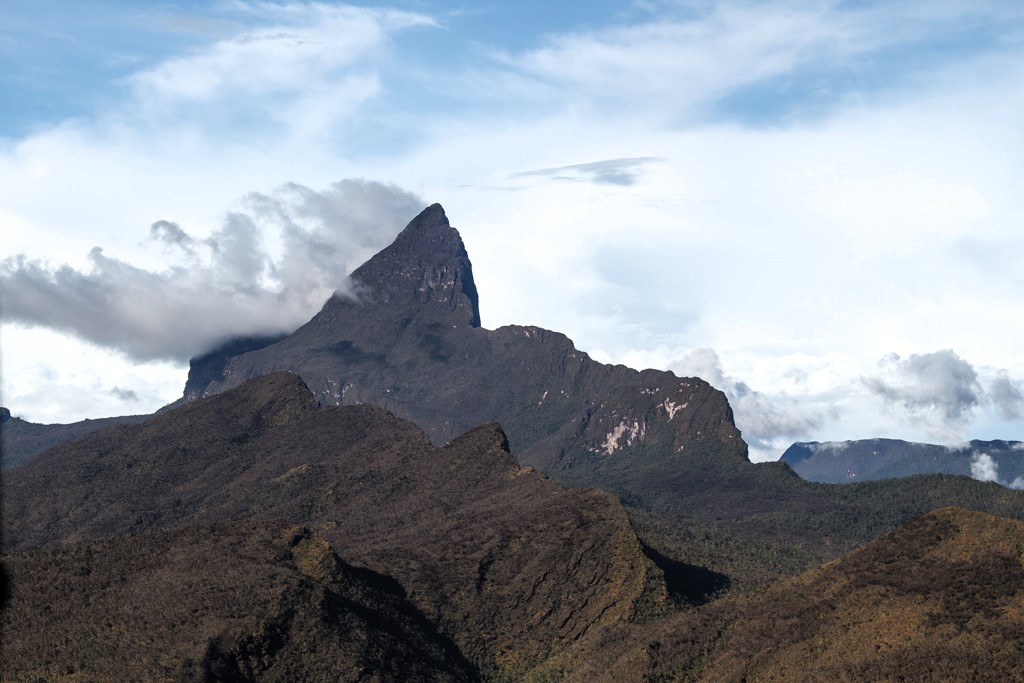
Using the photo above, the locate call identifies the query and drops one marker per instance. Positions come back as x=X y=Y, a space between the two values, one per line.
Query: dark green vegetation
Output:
x=843 y=462
x=253 y=535
x=941 y=599
x=504 y=562
x=251 y=600
x=21 y=441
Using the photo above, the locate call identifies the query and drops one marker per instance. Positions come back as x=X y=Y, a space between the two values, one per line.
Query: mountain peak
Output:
x=426 y=264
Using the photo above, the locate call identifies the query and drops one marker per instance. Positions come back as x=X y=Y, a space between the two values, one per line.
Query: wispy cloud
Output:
x=700 y=60
x=128 y=395
x=624 y=172
x=291 y=48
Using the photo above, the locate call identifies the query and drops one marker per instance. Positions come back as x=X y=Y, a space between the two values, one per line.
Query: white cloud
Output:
x=51 y=377
x=984 y=468
x=940 y=381
x=769 y=423
x=946 y=395
x=235 y=288
x=866 y=209
x=688 y=61
x=802 y=233
x=1006 y=395
x=299 y=47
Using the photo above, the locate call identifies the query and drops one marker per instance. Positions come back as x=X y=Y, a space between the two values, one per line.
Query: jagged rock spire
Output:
x=427 y=263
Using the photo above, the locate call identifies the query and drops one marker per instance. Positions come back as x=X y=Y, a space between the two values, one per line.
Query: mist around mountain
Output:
x=842 y=462
x=412 y=342
x=484 y=505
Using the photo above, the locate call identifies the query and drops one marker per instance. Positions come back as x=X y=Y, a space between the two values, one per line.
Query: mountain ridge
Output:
x=667 y=446
x=21 y=440
x=508 y=564
x=840 y=462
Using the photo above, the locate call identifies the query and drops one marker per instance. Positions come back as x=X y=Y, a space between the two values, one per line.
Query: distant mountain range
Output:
x=369 y=498
x=21 y=440
x=843 y=462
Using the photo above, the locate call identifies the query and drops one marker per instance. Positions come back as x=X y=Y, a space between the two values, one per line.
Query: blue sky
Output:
x=813 y=204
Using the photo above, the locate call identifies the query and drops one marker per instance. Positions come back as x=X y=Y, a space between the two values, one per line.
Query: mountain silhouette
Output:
x=411 y=342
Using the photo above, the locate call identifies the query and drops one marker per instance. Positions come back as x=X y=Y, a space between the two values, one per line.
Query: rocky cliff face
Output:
x=666 y=446
x=426 y=266
x=411 y=342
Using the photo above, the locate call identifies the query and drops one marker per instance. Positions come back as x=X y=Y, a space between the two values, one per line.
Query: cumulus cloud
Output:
x=125 y=394
x=984 y=468
x=624 y=172
x=944 y=392
x=230 y=285
x=768 y=423
x=940 y=381
x=1006 y=396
